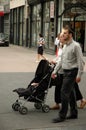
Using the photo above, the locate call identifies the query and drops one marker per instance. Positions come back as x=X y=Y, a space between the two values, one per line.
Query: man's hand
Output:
x=52 y=62
x=53 y=76
x=78 y=79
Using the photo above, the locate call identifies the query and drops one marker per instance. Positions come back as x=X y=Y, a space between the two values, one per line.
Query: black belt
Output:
x=67 y=70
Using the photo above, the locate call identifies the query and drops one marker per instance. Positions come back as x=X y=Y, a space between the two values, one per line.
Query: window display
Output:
x=48 y=24
x=36 y=23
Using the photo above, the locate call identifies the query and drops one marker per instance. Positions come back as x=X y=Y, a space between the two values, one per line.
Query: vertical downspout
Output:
x=10 y=35
x=26 y=32
x=16 y=28
x=22 y=25
x=13 y=26
x=30 y=26
x=42 y=17
x=56 y=17
x=74 y=26
x=56 y=20
x=18 y=25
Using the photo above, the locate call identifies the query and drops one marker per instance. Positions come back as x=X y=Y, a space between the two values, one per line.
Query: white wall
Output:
x=16 y=3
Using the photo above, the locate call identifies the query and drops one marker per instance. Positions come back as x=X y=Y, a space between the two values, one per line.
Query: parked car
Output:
x=4 y=40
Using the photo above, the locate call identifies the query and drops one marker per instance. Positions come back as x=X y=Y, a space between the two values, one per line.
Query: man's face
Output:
x=66 y=34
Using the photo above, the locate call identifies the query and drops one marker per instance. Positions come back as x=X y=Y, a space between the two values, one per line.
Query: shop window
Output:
x=36 y=23
x=48 y=24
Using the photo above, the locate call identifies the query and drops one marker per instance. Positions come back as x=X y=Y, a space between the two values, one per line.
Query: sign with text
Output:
x=51 y=9
x=1 y=10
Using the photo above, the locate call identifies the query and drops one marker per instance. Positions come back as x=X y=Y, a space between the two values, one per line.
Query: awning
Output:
x=1 y=13
x=33 y=2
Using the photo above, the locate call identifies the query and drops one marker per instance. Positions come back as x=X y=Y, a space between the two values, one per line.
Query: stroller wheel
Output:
x=38 y=105
x=15 y=106
x=23 y=110
x=45 y=108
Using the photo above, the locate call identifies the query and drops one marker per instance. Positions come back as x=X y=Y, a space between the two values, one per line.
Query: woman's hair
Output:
x=40 y=35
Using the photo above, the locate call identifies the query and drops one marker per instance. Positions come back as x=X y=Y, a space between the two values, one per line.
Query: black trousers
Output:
x=78 y=93
x=68 y=93
x=58 y=85
x=57 y=82
x=57 y=95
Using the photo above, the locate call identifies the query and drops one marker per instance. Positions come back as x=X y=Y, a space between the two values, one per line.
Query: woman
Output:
x=40 y=49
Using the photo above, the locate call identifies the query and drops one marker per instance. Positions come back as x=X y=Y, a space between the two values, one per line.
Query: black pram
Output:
x=36 y=90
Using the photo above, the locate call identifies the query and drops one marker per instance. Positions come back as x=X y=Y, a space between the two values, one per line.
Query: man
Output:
x=58 y=79
x=72 y=64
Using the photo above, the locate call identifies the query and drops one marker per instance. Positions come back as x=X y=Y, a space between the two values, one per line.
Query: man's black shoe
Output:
x=72 y=117
x=57 y=120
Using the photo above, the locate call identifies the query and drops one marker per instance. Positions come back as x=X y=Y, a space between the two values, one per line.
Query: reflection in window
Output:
x=48 y=26
x=36 y=23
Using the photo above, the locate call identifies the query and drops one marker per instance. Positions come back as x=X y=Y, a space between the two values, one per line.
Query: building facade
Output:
x=28 y=18
x=1 y=18
x=43 y=20
x=18 y=18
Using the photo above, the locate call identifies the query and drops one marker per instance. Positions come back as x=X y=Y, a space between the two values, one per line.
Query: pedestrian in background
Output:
x=57 y=44
x=40 y=48
x=72 y=64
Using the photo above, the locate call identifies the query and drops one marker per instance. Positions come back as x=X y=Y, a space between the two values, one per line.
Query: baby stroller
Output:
x=37 y=89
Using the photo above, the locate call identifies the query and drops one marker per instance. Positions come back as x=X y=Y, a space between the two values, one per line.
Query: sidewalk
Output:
x=21 y=63
x=24 y=62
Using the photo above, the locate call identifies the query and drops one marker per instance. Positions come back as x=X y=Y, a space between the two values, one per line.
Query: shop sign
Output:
x=77 y=10
x=1 y=10
x=16 y=3
x=51 y=9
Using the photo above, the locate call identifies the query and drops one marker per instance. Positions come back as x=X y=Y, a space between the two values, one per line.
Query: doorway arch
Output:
x=76 y=13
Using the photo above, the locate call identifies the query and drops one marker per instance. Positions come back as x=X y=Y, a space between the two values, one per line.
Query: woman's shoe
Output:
x=55 y=107
x=82 y=105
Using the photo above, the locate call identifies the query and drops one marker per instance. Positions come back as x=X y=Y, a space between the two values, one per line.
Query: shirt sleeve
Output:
x=80 y=61
x=58 y=66
x=56 y=41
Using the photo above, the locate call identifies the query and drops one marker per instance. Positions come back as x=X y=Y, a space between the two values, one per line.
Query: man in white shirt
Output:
x=72 y=64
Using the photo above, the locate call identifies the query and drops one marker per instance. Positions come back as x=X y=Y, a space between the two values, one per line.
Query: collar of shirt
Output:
x=69 y=42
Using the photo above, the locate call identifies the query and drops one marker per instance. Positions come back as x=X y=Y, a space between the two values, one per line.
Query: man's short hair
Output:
x=70 y=30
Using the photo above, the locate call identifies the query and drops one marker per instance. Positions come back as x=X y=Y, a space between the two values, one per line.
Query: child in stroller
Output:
x=37 y=89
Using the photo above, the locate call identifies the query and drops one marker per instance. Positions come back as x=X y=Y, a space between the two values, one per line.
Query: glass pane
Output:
x=34 y=37
x=48 y=25
x=46 y=34
x=36 y=23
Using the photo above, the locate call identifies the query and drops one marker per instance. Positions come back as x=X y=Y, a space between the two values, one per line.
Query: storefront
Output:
x=48 y=17
x=16 y=26
x=28 y=18
x=17 y=22
x=42 y=20
x=6 y=20
x=1 y=18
